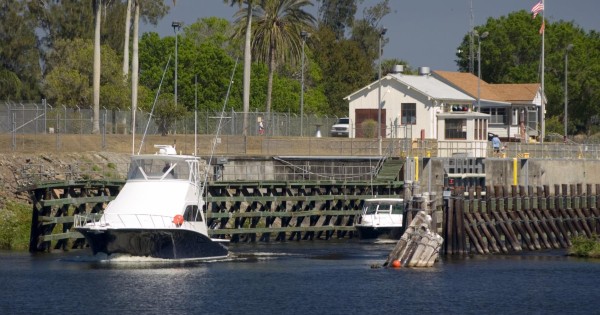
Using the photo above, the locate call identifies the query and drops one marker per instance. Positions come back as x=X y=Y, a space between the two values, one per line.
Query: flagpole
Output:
x=542 y=90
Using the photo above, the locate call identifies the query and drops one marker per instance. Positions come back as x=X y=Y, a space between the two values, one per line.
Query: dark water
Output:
x=300 y=278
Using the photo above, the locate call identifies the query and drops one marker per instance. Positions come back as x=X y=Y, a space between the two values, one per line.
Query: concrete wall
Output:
x=530 y=172
x=539 y=172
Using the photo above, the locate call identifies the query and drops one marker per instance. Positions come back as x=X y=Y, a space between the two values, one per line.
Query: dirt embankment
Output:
x=18 y=170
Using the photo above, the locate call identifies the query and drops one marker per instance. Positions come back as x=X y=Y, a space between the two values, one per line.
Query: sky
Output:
x=425 y=33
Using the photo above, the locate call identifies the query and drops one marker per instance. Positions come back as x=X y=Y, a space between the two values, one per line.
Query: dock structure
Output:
x=56 y=202
x=299 y=203
x=289 y=210
x=517 y=218
x=243 y=211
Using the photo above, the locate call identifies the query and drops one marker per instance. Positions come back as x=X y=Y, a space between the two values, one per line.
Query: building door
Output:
x=366 y=123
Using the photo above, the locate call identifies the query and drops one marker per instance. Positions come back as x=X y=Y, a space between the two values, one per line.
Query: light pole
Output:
x=569 y=47
x=176 y=26
x=304 y=36
x=479 y=38
x=381 y=34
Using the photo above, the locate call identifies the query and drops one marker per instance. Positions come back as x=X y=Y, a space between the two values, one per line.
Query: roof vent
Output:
x=424 y=71
x=398 y=69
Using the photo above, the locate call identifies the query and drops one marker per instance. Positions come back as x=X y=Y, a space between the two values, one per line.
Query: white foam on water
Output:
x=129 y=259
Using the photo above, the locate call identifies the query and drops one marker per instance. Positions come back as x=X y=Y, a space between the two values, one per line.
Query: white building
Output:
x=514 y=109
x=419 y=106
x=409 y=105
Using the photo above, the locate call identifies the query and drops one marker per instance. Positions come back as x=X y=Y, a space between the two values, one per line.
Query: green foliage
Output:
x=166 y=113
x=215 y=31
x=10 y=85
x=554 y=125
x=366 y=31
x=338 y=15
x=19 y=55
x=344 y=66
x=369 y=128
x=276 y=34
x=15 y=222
x=206 y=62
x=585 y=247
x=69 y=82
x=511 y=54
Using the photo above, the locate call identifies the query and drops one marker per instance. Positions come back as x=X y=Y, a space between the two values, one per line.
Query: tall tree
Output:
x=97 y=17
x=277 y=35
x=338 y=15
x=344 y=65
x=69 y=83
x=511 y=54
x=135 y=64
x=247 y=54
x=126 y=41
x=367 y=30
x=19 y=55
x=150 y=11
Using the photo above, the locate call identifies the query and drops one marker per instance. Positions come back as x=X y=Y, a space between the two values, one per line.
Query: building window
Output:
x=409 y=113
x=456 y=129
x=497 y=115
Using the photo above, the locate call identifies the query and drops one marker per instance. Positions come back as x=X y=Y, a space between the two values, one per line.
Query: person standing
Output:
x=496 y=144
x=261 y=128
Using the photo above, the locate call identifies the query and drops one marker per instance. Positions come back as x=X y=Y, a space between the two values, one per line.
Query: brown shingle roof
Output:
x=524 y=92
x=467 y=82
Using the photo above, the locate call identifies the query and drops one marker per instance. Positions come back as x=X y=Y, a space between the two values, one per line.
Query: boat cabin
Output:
x=165 y=165
x=381 y=218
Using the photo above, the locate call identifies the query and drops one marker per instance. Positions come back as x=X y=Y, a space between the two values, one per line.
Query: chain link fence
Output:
x=43 y=118
x=39 y=126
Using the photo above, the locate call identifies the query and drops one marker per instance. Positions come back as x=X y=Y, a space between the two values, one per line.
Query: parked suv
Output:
x=341 y=128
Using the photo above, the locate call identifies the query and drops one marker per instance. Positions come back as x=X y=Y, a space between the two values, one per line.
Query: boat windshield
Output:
x=159 y=169
x=384 y=207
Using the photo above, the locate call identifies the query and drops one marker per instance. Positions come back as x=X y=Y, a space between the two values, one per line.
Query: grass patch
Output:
x=15 y=226
x=585 y=247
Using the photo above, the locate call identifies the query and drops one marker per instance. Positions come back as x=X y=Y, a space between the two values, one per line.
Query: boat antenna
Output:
x=154 y=104
x=219 y=125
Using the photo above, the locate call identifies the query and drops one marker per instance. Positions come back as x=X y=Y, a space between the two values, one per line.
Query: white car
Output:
x=341 y=128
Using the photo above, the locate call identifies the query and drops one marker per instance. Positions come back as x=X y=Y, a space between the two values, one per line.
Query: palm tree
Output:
x=135 y=64
x=247 y=19
x=96 y=80
x=277 y=34
x=126 y=41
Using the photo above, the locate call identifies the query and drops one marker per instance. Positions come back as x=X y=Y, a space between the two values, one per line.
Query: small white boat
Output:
x=381 y=218
x=158 y=212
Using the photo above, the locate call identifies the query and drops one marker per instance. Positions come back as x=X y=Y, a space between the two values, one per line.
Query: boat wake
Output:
x=129 y=259
x=125 y=259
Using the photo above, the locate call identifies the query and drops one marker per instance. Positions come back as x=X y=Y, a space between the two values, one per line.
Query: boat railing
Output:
x=134 y=221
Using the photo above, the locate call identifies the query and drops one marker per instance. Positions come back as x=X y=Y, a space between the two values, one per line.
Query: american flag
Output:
x=537 y=8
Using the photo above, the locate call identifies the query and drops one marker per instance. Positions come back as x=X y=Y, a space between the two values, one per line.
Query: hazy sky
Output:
x=422 y=32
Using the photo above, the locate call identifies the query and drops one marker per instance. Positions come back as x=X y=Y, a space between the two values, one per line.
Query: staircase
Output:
x=390 y=170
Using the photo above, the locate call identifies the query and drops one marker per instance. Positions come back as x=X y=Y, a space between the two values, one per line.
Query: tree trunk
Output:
x=126 y=42
x=98 y=15
x=270 y=82
x=247 y=68
x=134 y=70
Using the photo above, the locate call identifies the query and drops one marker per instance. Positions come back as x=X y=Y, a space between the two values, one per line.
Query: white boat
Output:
x=381 y=218
x=158 y=212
